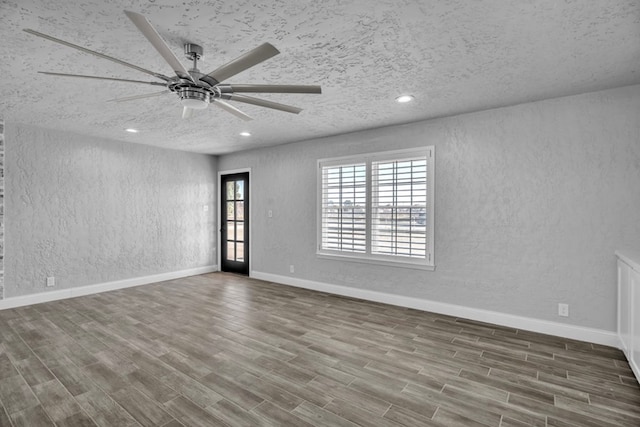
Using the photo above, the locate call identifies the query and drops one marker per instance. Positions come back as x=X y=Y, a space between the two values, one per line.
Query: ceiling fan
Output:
x=195 y=89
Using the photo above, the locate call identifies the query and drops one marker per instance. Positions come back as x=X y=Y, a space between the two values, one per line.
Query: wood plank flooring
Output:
x=219 y=349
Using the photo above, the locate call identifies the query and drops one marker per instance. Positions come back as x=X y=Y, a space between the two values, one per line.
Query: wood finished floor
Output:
x=219 y=349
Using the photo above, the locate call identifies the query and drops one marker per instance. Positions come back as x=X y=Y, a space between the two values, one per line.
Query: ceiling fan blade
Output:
x=98 y=54
x=262 y=103
x=152 y=35
x=187 y=112
x=270 y=88
x=146 y=95
x=101 y=78
x=231 y=109
x=241 y=63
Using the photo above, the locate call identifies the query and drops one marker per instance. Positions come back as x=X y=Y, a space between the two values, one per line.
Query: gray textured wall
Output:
x=531 y=202
x=1 y=208
x=90 y=211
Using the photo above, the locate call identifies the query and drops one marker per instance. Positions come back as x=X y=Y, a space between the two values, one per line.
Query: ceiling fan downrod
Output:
x=194 y=53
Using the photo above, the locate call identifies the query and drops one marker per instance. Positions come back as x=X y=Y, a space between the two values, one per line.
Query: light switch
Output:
x=270 y=213
x=206 y=208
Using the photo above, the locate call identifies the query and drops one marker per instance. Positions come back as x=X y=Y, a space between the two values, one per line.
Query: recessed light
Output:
x=404 y=98
x=245 y=133
x=131 y=130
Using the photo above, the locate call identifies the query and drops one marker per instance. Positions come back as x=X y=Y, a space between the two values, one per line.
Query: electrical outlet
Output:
x=563 y=310
x=206 y=208
x=291 y=269
x=51 y=281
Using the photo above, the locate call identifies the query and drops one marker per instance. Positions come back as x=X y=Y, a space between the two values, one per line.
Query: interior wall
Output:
x=89 y=211
x=1 y=209
x=531 y=203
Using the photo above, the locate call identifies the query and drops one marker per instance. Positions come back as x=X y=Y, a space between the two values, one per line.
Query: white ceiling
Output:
x=453 y=56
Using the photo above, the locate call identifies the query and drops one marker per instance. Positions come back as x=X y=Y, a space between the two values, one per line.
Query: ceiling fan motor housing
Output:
x=194 y=97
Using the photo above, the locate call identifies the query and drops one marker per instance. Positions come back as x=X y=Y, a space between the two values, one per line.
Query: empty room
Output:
x=329 y=213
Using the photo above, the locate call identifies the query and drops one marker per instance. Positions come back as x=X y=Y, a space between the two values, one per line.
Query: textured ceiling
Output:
x=453 y=56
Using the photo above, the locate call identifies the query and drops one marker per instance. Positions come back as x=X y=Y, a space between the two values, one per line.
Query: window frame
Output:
x=426 y=263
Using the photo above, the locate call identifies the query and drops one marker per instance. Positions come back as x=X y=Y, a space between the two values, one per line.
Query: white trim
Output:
x=101 y=287
x=634 y=368
x=361 y=158
x=630 y=257
x=622 y=344
x=218 y=234
x=597 y=336
x=627 y=322
x=343 y=256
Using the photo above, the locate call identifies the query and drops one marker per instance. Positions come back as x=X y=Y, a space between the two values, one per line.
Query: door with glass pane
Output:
x=234 y=232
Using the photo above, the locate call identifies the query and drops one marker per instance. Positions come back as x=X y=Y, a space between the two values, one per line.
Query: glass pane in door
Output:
x=231 y=230
x=239 y=251
x=240 y=231
x=240 y=211
x=231 y=251
x=239 y=190
x=231 y=211
x=230 y=190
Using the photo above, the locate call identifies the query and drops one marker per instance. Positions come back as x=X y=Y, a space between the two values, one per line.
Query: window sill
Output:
x=375 y=261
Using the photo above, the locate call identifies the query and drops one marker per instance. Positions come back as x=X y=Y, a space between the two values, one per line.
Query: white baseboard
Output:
x=596 y=336
x=634 y=368
x=101 y=287
x=627 y=352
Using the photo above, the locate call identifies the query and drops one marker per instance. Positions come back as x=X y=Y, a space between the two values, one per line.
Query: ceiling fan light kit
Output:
x=195 y=89
x=194 y=97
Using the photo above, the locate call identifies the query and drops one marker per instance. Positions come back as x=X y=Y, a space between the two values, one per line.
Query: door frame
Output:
x=219 y=217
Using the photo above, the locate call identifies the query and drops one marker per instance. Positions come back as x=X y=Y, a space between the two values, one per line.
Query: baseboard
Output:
x=634 y=368
x=627 y=353
x=101 y=287
x=596 y=336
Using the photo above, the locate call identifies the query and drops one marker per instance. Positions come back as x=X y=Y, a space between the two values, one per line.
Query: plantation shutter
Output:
x=399 y=207
x=344 y=207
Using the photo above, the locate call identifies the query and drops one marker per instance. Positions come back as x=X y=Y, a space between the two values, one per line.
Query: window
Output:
x=378 y=208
